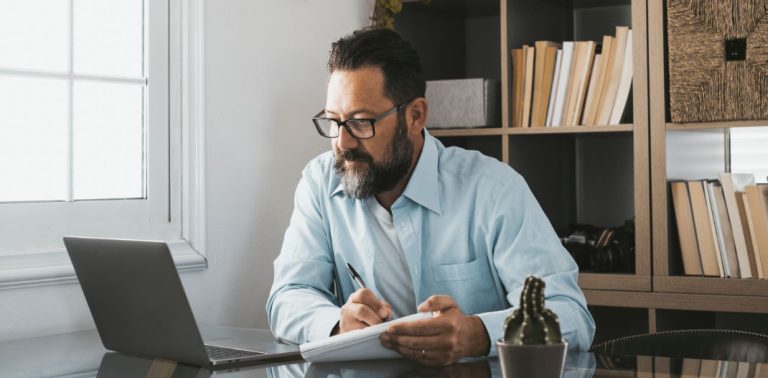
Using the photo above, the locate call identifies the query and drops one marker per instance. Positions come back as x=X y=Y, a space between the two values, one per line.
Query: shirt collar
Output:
x=422 y=188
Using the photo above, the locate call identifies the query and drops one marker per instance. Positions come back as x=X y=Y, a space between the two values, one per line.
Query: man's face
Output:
x=368 y=166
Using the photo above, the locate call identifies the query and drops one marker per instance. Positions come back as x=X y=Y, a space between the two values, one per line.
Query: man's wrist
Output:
x=481 y=341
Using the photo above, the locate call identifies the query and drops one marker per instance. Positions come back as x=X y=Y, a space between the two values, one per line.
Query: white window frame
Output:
x=27 y=265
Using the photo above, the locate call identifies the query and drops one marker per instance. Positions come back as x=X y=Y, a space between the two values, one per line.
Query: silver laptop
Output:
x=139 y=305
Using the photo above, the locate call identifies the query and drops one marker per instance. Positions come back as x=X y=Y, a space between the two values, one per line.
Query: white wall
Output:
x=265 y=78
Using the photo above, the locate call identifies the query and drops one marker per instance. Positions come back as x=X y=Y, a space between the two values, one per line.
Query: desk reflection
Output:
x=390 y=368
x=80 y=354
x=578 y=365
x=118 y=365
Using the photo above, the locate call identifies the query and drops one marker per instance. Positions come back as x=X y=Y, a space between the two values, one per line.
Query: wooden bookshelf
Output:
x=525 y=22
x=689 y=299
x=629 y=159
x=574 y=157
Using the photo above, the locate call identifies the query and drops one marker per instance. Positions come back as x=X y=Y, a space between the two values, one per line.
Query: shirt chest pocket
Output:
x=470 y=284
x=463 y=271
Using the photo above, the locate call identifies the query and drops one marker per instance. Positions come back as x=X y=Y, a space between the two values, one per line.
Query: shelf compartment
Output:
x=454 y=39
x=524 y=22
x=582 y=179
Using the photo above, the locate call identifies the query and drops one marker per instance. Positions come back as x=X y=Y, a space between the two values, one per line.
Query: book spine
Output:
x=553 y=92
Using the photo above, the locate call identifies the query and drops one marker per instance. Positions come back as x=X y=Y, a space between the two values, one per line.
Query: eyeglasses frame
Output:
x=316 y=118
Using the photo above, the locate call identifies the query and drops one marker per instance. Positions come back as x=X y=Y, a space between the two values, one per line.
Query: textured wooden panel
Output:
x=703 y=86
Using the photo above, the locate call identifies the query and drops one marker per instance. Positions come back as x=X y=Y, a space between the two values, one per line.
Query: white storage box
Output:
x=463 y=103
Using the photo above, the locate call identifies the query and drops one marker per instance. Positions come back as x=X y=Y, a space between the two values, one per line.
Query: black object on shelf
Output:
x=602 y=250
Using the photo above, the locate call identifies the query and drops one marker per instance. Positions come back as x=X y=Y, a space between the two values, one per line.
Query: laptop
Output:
x=139 y=306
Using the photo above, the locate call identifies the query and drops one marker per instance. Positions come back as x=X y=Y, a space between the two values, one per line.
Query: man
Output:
x=428 y=228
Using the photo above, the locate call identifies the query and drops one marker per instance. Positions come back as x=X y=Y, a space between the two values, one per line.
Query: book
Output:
x=571 y=86
x=590 y=108
x=710 y=266
x=723 y=229
x=593 y=77
x=686 y=230
x=528 y=88
x=583 y=72
x=562 y=83
x=584 y=54
x=714 y=233
x=553 y=91
x=544 y=70
x=518 y=85
x=749 y=235
x=613 y=76
x=733 y=183
x=360 y=344
x=757 y=197
x=625 y=84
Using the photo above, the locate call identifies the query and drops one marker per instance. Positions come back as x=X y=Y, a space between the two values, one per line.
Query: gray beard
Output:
x=376 y=178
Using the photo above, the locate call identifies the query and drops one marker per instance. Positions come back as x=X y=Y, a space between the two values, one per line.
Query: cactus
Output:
x=531 y=323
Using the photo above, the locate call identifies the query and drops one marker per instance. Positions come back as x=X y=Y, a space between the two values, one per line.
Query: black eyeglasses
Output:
x=360 y=128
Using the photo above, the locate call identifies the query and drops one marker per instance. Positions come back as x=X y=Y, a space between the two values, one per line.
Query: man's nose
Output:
x=345 y=140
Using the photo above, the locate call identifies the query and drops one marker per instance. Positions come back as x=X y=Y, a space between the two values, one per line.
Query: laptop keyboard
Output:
x=221 y=353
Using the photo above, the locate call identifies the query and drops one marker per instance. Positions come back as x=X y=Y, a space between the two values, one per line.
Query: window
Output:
x=92 y=139
x=73 y=89
x=749 y=151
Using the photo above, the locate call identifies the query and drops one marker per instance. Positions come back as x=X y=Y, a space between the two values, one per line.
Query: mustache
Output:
x=354 y=155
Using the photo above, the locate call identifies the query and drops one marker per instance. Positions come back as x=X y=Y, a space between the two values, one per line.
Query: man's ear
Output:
x=418 y=114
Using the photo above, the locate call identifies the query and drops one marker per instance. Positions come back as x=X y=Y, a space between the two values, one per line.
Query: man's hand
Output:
x=362 y=309
x=439 y=341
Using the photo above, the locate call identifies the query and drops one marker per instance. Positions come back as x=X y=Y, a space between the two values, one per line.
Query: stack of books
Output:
x=572 y=83
x=722 y=226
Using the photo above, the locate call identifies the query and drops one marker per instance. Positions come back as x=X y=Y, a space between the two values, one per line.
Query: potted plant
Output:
x=532 y=344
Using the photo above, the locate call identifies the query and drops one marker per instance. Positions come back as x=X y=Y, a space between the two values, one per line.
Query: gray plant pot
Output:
x=541 y=361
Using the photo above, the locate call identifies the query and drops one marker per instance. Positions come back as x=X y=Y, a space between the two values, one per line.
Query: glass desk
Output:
x=81 y=354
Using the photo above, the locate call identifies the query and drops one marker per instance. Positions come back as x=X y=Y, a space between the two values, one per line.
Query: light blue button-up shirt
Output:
x=469 y=226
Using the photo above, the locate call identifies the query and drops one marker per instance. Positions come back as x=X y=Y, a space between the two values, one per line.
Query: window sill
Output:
x=54 y=268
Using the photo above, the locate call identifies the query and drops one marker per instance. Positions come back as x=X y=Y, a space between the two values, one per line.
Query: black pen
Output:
x=355 y=277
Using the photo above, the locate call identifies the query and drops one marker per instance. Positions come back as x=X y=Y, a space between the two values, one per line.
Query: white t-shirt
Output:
x=390 y=268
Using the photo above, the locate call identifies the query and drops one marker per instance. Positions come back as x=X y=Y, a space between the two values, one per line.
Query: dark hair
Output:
x=385 y=49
